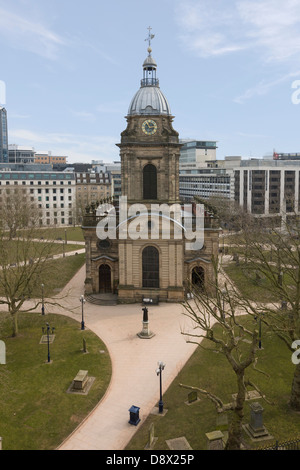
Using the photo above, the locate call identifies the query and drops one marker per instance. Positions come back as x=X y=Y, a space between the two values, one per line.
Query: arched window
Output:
x=149 y=182
x=150 y=260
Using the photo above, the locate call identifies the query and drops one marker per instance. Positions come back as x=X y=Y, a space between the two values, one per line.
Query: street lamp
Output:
x=48 y=337
x=82 y=300
x=223 y=292
x=43 y=307
x=161 y=367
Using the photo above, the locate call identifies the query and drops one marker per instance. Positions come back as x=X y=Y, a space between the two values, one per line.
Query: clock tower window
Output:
x=149 y=182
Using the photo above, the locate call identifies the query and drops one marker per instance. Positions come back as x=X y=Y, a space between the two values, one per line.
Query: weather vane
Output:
x=149 y=38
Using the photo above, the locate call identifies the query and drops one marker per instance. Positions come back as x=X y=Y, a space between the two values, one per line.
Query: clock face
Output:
x=149 y=127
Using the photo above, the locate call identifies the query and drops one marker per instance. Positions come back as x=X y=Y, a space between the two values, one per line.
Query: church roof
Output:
x=149 y=100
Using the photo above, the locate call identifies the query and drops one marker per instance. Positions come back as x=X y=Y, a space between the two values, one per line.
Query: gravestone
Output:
x=192 y=397
x=215 y=440
x=152 y=439
x=2 y=353
x=179 y=443
x=256 y=428
x=80 y=380
x=84 y=346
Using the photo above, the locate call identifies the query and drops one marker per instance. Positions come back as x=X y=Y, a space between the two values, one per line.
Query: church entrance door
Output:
x=198 y=277
x=105 y=279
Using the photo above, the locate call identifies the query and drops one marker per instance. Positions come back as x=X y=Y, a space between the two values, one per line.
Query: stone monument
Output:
x=145 y=333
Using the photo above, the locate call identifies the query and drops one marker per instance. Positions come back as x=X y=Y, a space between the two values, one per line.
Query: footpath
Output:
x=134 y=363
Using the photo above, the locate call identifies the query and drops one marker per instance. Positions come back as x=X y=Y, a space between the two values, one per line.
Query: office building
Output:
x=3 y=136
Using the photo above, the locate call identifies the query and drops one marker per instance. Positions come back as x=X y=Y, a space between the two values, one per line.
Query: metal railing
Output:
x=293 y=444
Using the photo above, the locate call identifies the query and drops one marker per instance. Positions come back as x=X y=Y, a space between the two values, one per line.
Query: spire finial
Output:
x=149 y=39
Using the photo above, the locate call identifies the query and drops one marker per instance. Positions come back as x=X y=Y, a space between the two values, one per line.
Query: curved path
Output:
x=134 y=362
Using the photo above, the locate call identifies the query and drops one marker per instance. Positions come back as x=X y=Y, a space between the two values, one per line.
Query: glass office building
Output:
x=3 y=136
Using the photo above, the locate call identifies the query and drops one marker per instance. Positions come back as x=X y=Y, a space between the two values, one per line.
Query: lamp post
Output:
x=48 y=338
x=82 y=300
x=224 y=291
x=161 y=367
x=43 y=306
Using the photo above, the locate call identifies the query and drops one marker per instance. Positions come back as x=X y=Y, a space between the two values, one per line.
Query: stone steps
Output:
x=102 y=299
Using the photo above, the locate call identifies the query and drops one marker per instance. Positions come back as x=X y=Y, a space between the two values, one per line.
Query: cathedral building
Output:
x=144 y=253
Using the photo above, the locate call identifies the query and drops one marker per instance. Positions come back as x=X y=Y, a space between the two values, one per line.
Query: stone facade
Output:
x=155 y=267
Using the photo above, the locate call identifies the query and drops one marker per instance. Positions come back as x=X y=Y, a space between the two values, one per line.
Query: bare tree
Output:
x=24 y=261
x=226 y=310
x=273 y=256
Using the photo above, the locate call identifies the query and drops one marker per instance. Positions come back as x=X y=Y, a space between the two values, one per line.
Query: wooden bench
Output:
x=80 y=380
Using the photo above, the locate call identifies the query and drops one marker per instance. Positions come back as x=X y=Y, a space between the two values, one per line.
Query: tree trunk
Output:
x=15 y=324
x=235 y=429
x=295 y=393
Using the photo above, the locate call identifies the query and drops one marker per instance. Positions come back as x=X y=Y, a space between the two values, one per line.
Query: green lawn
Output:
x=57 y=274
x=209 y=370
x=65 y=269
x=74 y=234
x=36 y=412
x=14 y=250
x=245 y=280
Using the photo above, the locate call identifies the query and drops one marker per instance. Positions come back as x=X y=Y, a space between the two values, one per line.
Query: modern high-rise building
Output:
x=3 y=136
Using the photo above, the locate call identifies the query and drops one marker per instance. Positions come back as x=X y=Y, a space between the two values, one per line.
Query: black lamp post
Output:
x=82 y=300
x=161 y=367
x=223 y=304
x=43 y=306
x=259 y=333
x=48 y=337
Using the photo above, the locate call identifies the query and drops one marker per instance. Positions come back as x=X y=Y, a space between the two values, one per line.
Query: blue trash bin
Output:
x=134 y=415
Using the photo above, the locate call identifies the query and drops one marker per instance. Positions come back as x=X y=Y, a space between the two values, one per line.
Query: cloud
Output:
x=208 y=28
x=212 y=28
x=273 y=26
x=264 y=87
x=26 y=34
x=76 y=147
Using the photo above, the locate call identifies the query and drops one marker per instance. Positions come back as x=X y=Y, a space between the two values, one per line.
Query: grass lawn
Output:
x=17 y=251
x=245 y=281
x=74 y=234
x=36 y=412
x=58 y=273
x=66 y=267
x=209 y=370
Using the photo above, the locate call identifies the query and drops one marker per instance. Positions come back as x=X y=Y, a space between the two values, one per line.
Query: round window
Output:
x=103 y=244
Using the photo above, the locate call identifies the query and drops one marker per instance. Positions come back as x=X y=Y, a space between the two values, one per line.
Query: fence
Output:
x=293 y=444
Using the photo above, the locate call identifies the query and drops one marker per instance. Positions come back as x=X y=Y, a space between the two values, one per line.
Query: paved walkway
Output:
x=134 y=362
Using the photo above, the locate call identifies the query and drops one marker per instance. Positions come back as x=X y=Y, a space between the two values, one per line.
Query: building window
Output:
x=150 y=182
x=150 y=262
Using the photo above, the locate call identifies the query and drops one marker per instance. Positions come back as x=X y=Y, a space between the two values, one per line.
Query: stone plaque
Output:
x=193 y=396
x=2 y=353
x=180 y=443
x=215 y=440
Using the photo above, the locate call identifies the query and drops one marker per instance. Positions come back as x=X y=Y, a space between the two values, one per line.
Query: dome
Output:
x=149 y=100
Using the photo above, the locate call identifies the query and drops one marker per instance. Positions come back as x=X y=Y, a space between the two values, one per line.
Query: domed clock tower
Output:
x=149 y=260
x=150 y=146
x=149 y=151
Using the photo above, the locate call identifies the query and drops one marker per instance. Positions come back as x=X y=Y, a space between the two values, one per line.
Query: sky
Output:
x=230 y=70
